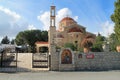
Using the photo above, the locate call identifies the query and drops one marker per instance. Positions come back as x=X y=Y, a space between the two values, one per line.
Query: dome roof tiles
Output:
x=67 y=18
x=75 y=29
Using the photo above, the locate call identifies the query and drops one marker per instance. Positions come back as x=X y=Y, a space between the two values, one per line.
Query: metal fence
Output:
x=40 y=60
x=8 y=60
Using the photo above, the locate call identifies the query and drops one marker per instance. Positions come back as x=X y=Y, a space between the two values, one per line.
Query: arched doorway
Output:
x=66 y=57
x=66 y=60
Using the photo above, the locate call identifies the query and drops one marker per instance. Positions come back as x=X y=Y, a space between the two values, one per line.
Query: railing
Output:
x=8 y=60
x=40 y=60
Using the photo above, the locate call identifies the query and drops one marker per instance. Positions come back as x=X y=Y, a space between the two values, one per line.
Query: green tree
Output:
x=97 y=46
x=29 y=37
x=20 y=38
x=113 y=41
x=70 y=45
x=12 y=41
x=44 y=35
x=5 y=40
x=116 y=19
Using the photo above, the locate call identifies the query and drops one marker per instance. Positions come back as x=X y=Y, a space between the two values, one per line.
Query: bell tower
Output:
x=52 y=29
x=54 y=61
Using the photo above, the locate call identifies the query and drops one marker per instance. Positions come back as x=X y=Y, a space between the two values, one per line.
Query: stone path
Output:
x=109 y=75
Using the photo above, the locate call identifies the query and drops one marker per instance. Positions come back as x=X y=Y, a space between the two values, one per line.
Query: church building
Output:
x=69 y=31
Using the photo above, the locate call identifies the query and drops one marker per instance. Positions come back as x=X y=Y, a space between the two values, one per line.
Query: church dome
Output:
x=65 y=22
x=67 y=19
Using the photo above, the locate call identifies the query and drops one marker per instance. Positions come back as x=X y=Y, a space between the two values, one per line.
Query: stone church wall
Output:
x=97 y=61
x=54 y=61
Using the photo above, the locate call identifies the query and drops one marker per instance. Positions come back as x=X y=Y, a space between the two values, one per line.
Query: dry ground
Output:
x=50 y=75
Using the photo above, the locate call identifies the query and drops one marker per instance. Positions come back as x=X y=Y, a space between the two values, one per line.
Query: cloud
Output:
x=44 y=18
x=31 y=27
x=75 y=18
x=107 y=28
x=13 y=14
x=11 y=23
x=63 y=13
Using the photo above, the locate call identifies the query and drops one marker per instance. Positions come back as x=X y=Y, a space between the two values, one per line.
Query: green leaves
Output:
x=116 y=19
x=5 y=40
x=70 y=45
x=29 y=37
x=97 y=46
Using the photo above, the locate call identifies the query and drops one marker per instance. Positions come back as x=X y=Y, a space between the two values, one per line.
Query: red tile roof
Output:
x=67 y=18
x=75 y=29
x=39 y=42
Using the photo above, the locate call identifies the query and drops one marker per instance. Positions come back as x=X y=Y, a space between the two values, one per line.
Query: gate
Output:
x=8 y=60
x=40 y=60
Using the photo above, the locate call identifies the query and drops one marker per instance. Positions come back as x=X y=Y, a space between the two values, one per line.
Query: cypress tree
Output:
x=116 y=19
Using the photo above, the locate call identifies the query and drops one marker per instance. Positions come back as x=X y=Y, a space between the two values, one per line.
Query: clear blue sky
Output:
x=19 y=15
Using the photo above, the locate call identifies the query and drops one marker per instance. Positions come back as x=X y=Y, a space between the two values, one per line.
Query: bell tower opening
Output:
x=52 y=16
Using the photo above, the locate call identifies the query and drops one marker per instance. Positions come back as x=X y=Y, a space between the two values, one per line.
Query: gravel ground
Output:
x=51 y=75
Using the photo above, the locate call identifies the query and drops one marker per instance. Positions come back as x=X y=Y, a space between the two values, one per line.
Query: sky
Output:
x=20 y=15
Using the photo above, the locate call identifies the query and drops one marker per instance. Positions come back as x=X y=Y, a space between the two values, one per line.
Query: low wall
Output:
x=97 y=61
x=24 y=64
x=66 y=67
x=93 y=61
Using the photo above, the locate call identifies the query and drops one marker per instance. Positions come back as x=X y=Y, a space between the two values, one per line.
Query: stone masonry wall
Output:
x=54 y=61
x=66 y=67
x=101 y=61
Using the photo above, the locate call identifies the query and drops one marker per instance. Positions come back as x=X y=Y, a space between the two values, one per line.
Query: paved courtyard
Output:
x=51 y=75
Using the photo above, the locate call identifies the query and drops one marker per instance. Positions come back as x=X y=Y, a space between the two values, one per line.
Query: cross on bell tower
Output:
x=52 y=16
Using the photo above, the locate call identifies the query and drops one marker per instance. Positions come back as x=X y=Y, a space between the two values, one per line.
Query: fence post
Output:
x=16 y=59
x=49 y=62
x=1 y=58
x=32 y=60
